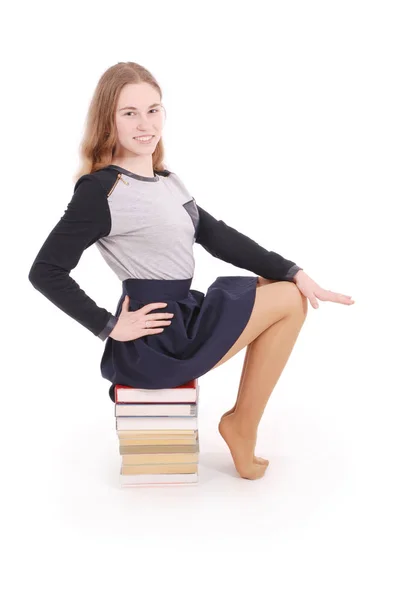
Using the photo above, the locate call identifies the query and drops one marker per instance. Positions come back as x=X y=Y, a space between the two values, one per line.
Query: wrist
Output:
x=111 y=323
x=298 y=274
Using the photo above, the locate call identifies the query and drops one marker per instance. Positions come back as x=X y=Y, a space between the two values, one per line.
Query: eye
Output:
x=132 y=112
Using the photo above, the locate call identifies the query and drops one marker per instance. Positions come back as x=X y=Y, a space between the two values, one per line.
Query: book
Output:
x=139 y=434
x=154 y=442
x=164 y=409
x=157 y=423
x=167 y=449
x=158 y=434
x=158 y=469
x=160 y=459
x=187 y=392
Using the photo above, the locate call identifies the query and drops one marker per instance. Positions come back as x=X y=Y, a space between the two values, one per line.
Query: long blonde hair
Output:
x=100 y=135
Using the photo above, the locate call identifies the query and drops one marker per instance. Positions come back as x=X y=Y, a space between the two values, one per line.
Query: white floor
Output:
x=324 y=521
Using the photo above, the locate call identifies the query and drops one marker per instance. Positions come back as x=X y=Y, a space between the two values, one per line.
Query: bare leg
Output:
x=261 y=281
x=267 y=357
x=229 y=412
x=257 y=459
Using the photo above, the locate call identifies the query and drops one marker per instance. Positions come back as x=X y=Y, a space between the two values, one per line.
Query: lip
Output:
x=144 y=135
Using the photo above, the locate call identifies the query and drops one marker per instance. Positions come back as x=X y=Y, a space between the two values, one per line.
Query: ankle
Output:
x=243 y=426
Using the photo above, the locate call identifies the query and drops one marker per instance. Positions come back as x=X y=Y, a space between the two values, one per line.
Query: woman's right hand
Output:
x=131 y=323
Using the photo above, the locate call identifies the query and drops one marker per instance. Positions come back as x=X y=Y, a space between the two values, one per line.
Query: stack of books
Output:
x=158 y=434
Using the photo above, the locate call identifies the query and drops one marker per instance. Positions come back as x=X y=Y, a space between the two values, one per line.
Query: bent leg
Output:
x=272 y=303
x=268 y=356
x=256 y=459
x=265 y=361
x=261 y=281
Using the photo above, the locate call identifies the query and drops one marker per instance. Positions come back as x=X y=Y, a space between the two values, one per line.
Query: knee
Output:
x=297 y=302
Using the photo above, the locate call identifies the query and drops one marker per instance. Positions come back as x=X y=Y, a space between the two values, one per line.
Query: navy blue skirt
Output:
x=203 y=329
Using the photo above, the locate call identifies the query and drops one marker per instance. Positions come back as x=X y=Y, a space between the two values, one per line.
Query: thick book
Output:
x=156 y=423
x=187 y=392
x=158 y=409
x=160 y=459
x=157 y=441
x=166 y=449
x=159 y=469
x=160 y=434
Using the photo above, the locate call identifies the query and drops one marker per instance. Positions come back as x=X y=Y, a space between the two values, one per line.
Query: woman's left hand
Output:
x=314 y=292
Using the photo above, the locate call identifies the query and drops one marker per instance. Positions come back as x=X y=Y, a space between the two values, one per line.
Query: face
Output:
x=139 y=113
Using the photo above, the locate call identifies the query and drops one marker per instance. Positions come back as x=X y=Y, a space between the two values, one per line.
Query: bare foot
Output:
x=242 y=449
x=256 y=459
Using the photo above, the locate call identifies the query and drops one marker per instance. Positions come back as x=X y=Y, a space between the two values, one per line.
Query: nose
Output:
x=142 y=124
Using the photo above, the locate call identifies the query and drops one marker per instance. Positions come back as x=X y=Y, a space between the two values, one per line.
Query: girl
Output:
x=144 y=222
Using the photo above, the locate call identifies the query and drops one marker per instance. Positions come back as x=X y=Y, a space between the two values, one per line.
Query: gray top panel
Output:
x=153 y=224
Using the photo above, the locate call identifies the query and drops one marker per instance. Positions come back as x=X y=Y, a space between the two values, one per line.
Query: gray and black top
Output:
x=145 y=228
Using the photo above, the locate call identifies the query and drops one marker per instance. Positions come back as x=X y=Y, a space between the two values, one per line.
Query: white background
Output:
x=283 y=119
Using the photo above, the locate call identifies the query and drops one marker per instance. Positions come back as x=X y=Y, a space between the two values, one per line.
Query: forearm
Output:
x=85 y=220
x=62 y=290
x=228 y=244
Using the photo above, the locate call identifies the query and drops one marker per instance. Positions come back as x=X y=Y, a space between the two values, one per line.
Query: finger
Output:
x=152 y=306
x=155 y=316
x=340 y=298
x=313 y=301
x=329 y=296
x=149 y=324
x=125 y=304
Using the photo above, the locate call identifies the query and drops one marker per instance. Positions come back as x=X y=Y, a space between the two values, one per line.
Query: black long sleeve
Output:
x=231 y=246
x=85 y=220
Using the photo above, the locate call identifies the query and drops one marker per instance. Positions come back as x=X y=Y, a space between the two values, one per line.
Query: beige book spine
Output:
x=175 y=468
x=158 y=459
